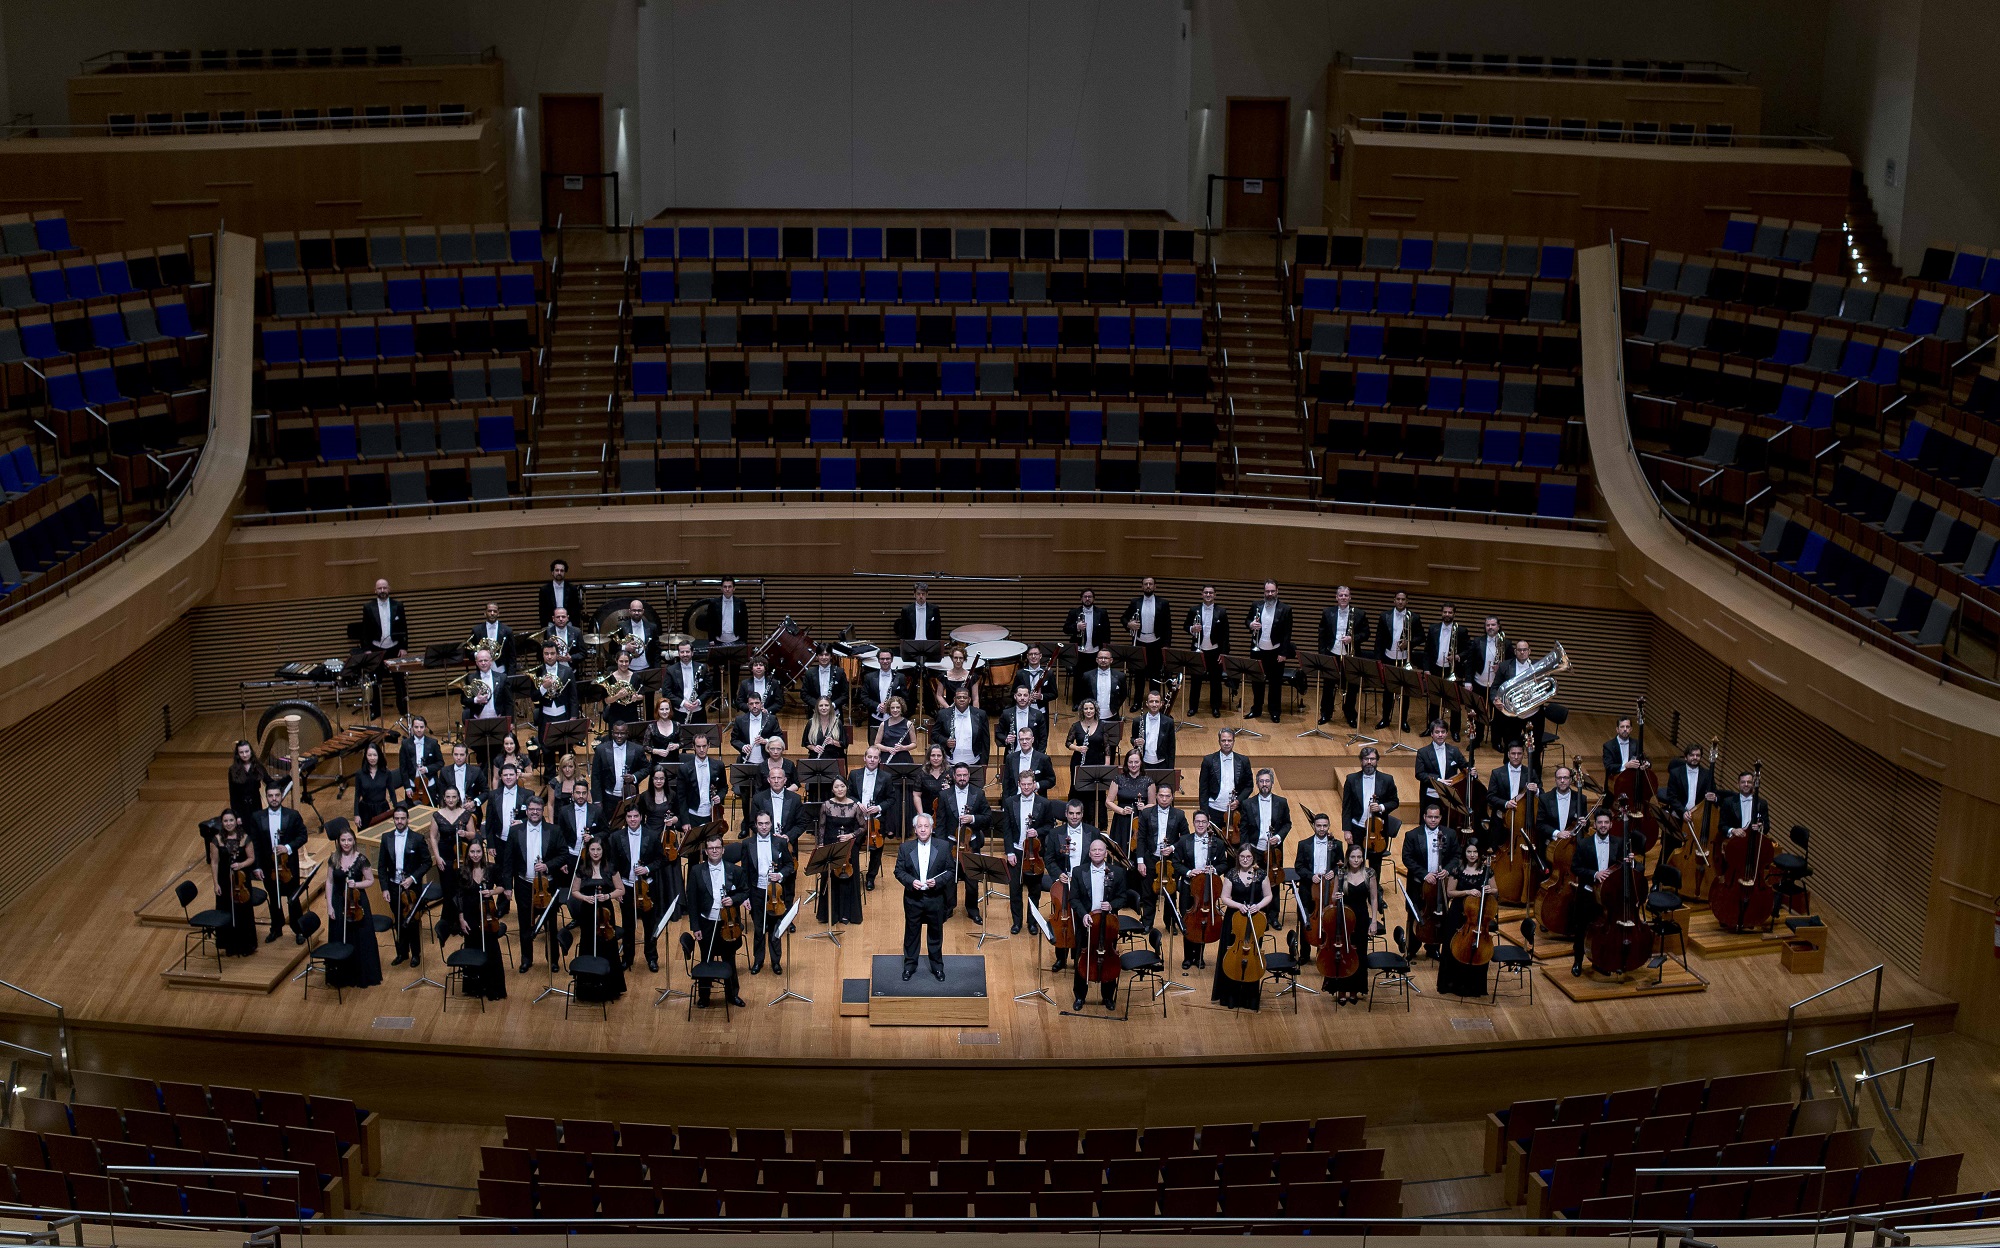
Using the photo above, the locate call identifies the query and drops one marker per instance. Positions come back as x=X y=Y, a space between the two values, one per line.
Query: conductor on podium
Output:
x=923 y=868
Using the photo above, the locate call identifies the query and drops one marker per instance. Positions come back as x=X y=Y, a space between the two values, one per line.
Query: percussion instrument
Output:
x=855 y=658
x=674 y=641
x=1002 y=660
x=973 y=634
x=787 y=652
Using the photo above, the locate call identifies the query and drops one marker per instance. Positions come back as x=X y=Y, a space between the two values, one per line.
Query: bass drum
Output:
x=787 y=652
x=274 y=747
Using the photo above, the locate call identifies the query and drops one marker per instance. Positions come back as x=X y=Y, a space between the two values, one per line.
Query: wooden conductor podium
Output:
x=921 y=1000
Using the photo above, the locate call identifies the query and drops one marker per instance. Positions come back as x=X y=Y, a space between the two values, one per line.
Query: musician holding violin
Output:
x=1097 y=890
x=481 y=889
x=1246 y=899
x=596 y=894
x=640 y=860
x=1157 y=829
x=767 y=861
x=714 y=890
x=1598 y=855
x=1199 y=860
x=277 y=834
x=405 y=862
x=873 y=788
x=1431 y=852
x=1026 y=817
x=235 y=872
x=840 y=824
x=1471 y=924
x=349 y=917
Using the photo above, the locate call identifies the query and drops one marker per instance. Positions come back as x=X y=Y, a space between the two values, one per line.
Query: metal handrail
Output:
x=1929 y=1065
x=1909 y=1031
x=59 y=1060
x=123 y=56
x=1874 y=1010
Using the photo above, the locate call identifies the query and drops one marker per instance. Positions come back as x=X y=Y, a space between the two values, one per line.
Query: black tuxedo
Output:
x=886 y=797
x=906 y=623
x=1042 y=814
x=1192 y=951
x=773 y=695
x=982 y=740
x=1675 y=787
x=1546 y=822
x=1416 y=866
x=760 y=922
x=415 y=863
x=1013 y=764
x=1210 y=793
x=1585 y=866
x=502 y=700
x=555 y=853
x=1442 y=655
x=564 y=817
x=1496 y=791
x=1086 y=688
x=1302 y=860
x=292 y=835
x=810 y=692
x=1254 y=831
x=652 y=855
x=708 y=619
x=604 y=773
x=649 y=645
x=1116 y=895
x=553 y=708
x=504 y=647
x=1428 y=774
x=676 y=689
x=1100 y=634
x=1137 y=723
x=1385 y=639
x=789 y=822
x=1354 y=814
x=924 y=908
x=1272 y=660
x=868 y=691
x=1146 y=853
x=701 y=899
x=497 y=819
x=410 y=756
x=568 y=640
x=570 y=600
x=740 y=733
x=690 y=790
x=367 y=633
x=1613 y=764
x=475 y=780
x=1163 y=631
x=1038 y=726
x=1329 y=631
x=1732 y=811
x=972 y=836
x=1211 y=667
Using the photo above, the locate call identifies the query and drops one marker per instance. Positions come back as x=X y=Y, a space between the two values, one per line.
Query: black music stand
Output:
x=822 y=771
x=482 y=737
x=987 y=869
x=822 y=863
x=1093 y=778
x=1183 y=663
x=1330 y=667
x=920 y=651
x=562 y=736
x=1247 y=672
x=748 y=776
x=1040 y=927
x=1406 y=682
x=1169 y=776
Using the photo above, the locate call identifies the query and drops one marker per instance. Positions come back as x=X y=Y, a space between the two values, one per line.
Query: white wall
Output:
x=1868 y=101
x=911 y=104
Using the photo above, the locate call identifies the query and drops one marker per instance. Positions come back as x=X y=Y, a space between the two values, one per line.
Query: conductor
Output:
x=924 y=869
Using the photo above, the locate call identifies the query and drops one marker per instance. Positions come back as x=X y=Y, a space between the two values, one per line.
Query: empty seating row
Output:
x=1443 y=341
x=190 y=1144
x=32 y=233
x=809 y=283
x=1967 y=267
x=1832 y=570
x=1471 y=298
x=433 y=290
x=1420 y=251
x=1797 y=395
x=1823 y=296
x=401 y=246
x=913 y=472
x=269 y=120
x=863 y=1174
x=87 y=277
x=1536 y=66
x=898 y=329
x=916 y=373
x=1557 y=1190
x=1898 y=565
x=1824 y=349
x=415 y=483
x=1521 y=1119
x=58 y=532
x=1980 y=393
x=101 y=325
x=661 y=240
x=966 y=422
x=176 y=1198
x=397 y=337
x=1507 y=392
x=1471 y=492
x=130 y=373
x=1543 y=126
x=393 y=435
x=1773 y=238
x=78 y=1128
x=181 y=60
x=1957 y=532
x=1970 y=461
x=1495 y=443
x=1844 y=1191
x=20 y=471
x=310 y=387
x=1713 y=1128
x=181 y=413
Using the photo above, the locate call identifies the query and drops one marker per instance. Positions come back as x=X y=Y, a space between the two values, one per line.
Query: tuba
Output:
x=1523 y=695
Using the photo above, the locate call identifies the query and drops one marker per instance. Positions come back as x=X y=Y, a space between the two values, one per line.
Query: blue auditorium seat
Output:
x=727 y=242
x=836 y=472
x=649 y=377
x=319 y=344
x=761 y=241
x=1364 y=340
x=879 y=286
x=843 y=286
x=53 y=234
x=1114 y=331
x=1432 y=299
x=1107 y=244
x=990 y=286
x=281 y=345
x=1415 y=255
x=1540 y=449
x=496 y=432
x=899 y=330
x=406 y=293
x=524 y=246
x=81 y=278
x=1357 y=294
x=482 y=290
x=1556 y=500
x=919 y=285
x=100 y=383
x=1445 y=392
x=691 y=242
x=1178 y=289
x=1482 y=395
x=1007 y=332
x=48 y=285
x=65 y=392
x=1371 y=388
x=955 y=286
x=1394 y=296
x=958 y=377
x=441 y=292
x=808 y=286
x=358 y=341
x=656 y=285
x=827 y=424
x=899 y=424
x=865 y=242
x=1149 y=333
x=1558 y=262
x=830 y=242
x=396 y=340
x=1044 y=331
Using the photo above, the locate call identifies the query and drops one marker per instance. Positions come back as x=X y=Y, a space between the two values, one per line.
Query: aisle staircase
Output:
x=571 y=447
x=1259 y=412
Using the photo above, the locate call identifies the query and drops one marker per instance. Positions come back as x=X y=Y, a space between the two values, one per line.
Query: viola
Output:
x=1332 y=932
x=774 y=899
x=1166 y=873
x=1478 y=935
x=542 y=892
x=1620 y=939
x=1203 y=921
x=1062 y=923
x=1097 y=961
x=670 y=840
x=489 y=911
x=1243 y=960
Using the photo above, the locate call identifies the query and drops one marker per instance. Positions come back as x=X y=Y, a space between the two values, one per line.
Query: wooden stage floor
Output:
x=75 y=940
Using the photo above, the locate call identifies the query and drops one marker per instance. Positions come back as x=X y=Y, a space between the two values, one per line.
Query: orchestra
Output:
x=618 y=813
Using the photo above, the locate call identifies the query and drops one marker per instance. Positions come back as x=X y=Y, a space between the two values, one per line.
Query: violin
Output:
x=774 y=898
x=1620 y=939
x=489 y=911
x=844 y=868
x=1332 y=931
x=1166 y=873
x=240 y=887
x=875 y=832
x=357 y=911
x=730 y=926
x=543 y=894
x=1203 y=921
x=1062 y=923
x=288 y=868
x=607 y=922
x=1031 y=855
x=1479 y=934
x=670 y=840
x=1097 y=961
x=642 y=888
x=1243 y=960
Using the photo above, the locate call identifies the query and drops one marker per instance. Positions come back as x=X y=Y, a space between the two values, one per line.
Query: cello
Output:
x=1744 y=895
x=1332 y=932
x=1620 y=939
x=1479 y=934
x=1558 y=893
x=1243 y=960
x=1097 y=960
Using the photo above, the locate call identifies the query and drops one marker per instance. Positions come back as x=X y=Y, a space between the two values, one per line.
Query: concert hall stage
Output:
x=77 y=940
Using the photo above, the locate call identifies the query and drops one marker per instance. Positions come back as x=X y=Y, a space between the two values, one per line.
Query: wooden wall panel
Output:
x=1353 y=93
x=1959 y=956
x=479 y=87
x=117 y=721
x=138 y=192
x=249 y=642
x=1678 y=197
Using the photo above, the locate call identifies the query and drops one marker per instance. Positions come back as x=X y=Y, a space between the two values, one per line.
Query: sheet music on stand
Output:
x=779 y=933
x=669 y=992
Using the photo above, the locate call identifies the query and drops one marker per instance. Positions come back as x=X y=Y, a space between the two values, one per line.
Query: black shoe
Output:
x=1274 y=717
x=1404 y=726
x=757 y=967
x=1187 y=964
x=626 y=965
x=702 y=1004
x=738 y=1001
x=937 y=972
x=399 y=960
x=1016 y=929
x=652 y=964
x=1454 y=736
x=1256 y=712
x=1380 y=724
x=1576 y=969
x=273 y=936
x=1352 y=722
x=1328 y=719
x=777 y=967
x=526 y=966
x=974 y=916
x=1077 y=1004
x=298 y=938
x=909 y=971
x=869 y=883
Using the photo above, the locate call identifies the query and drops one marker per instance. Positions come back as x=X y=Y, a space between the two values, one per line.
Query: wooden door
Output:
x=572 y=156
x=1255 y=149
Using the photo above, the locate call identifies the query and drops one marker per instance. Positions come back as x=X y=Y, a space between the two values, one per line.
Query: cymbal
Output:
x=595 y=639
x=676 y=639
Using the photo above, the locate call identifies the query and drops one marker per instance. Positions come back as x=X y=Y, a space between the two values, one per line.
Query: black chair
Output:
x=1145 y=963
x=204 y=926
x=1793 y=869
x=714 y=974
x=1516 y=961
x=457 y=964
x=592 y=965
x=1389 y=970
x=1661 y=903
x=1281 y=967
x=320 y=957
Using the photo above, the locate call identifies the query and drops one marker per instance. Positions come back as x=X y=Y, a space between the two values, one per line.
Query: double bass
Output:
x=1620 y=938
x=1062 y=923
x=1514 y=859
x=1097 y=960
x=1638 y=786
x=1744 y=894
x=1701 y=837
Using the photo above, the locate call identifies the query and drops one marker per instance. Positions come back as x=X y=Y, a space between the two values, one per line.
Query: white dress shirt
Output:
x=1146 y=629
x=1101 y=682
x=923 y=623
x=727 y=630
x=961 y=732
x=1322 y=854
x=1265 y=641
x=923 y=860
x=382 y=613
x=1150 y=733
x=1207 y=623
x=1340 y=629
x=714 y=891
x=1693 y=786
x=701 y=779
x=1097 y=875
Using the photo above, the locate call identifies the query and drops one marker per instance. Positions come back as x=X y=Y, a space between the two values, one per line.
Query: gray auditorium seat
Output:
x=719 y=327
x=1329 y=338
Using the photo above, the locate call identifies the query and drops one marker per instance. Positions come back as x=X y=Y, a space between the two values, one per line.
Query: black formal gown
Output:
x=836 y=819
x=246 y=790
x=450 y=850
x=1355 y=898
x=1130 y=792
x=657 y=740
x=951 y=688
x=363 y=967
x=896 y=732
x=239 y=939
x=927 y=787
x=1247 y=995
x=610 y=986
x=489 y=981
x=372 y=796
x=1096 y=751
x=1454 y=977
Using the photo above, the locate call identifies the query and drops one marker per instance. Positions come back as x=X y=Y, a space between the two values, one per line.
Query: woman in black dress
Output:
x=1090 y=744
x=510 y=754
x=955 y=676
x=929 y=782
x=825 y=737
x=1246 y=891
x=663 y=744
x=894 y=736
x=451 y=826
x=478 y=880
x=840 y=820
x=349 y=917
x=1357 y=893
x=247 y=778
x=236 y=865
x=1131 y=790
x=596 y=878
x=1470 y=879
x=372 y=787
